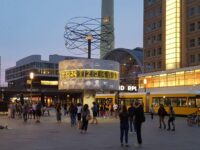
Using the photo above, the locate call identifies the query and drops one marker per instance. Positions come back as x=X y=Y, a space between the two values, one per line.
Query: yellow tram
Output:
x=183 y=103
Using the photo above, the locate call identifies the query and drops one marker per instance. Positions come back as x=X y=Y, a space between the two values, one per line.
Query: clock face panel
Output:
x=92 y=74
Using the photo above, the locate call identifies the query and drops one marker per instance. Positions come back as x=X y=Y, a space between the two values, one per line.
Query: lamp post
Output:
x=31 y=75
x=89 y=39
x=145 y=84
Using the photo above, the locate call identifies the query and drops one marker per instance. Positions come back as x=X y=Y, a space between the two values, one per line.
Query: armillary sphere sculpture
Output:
x=86 y=34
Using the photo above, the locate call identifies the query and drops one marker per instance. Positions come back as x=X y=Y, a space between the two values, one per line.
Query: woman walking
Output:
x=124 y=125
x=162 y=113
x=171 y=119
x=85 y=118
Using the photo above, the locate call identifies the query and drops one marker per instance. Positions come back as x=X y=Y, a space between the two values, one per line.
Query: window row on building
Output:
x=150 y=2
x=153 y=52
x=153 y=13
x=153 y=66
x=153 y=26
x=194 y=58
x=195 y=26
x=153 y=39
x=194 y=11
x=195 y=42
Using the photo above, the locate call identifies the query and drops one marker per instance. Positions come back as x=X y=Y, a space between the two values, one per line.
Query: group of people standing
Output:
x=25 y=110
x=162 y=113
x=132 y=117
x=79 y=115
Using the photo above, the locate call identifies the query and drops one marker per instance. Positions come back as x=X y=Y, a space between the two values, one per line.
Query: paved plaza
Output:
x=50 y=135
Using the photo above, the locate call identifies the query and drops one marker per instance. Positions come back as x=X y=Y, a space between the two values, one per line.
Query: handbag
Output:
x=88 y=117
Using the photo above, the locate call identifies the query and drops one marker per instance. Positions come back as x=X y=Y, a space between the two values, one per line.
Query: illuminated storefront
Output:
x=180 y=77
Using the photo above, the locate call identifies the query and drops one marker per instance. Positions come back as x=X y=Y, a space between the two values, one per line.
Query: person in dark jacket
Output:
x=139 y=119
x=162 y=113
x=85 y=113
x=131 y=118
x=124 y=125
x=171 y=119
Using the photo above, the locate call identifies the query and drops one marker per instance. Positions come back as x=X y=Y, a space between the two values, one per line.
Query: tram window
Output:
x=176 y=102
x=198 y=102
x=183 y=102
x=155 y=102
x=192 y=102
x=167 y=102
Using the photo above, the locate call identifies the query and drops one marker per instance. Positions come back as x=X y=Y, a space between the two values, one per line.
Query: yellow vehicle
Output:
x=105 y=98
x=183 y=103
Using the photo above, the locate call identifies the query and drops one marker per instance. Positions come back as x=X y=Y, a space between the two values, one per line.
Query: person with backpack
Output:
x=162 y=113
x=171 y=119
x=131 y=118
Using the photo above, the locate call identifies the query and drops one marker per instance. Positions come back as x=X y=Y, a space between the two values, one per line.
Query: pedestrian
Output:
x=94 y=111
x=79 y=109
x=162 y=113
x=131 y=117
x=58 y=112
x=25 y=109
x=115 y=108
x=65 y=108
x=139 y=119
x=124 y=125
x=85 y=118
x=38 y=112
x=73 y=112
x=171 y=119
x=152 y=112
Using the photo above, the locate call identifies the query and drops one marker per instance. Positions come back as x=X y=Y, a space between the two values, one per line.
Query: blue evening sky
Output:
x=37 y=26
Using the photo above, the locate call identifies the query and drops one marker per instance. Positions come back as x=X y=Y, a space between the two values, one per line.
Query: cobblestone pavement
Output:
x=50 y=135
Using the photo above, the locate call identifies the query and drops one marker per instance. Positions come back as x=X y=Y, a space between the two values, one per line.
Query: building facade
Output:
x=44 y=82
x=171 y=44
x=171 y=34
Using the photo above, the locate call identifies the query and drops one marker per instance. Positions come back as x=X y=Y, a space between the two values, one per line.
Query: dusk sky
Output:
x=37 y=26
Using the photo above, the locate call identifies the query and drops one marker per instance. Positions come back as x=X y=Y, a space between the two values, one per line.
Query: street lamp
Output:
x=31 y=75
x=89 y=39
x=145 y=84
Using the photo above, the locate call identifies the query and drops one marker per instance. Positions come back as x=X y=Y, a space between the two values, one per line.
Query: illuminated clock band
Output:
x=89 y=74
